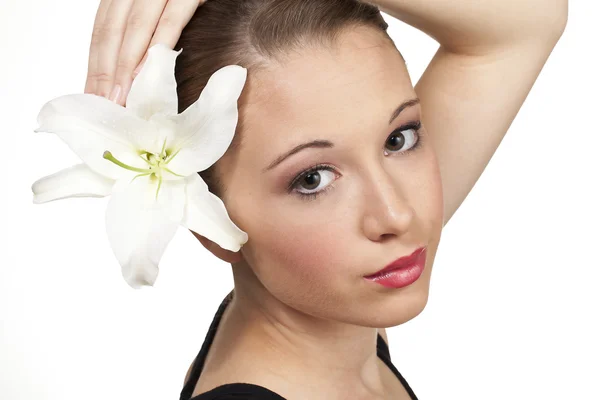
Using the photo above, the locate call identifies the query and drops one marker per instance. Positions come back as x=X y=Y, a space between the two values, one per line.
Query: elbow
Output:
x=547 y=24
x=556 y=19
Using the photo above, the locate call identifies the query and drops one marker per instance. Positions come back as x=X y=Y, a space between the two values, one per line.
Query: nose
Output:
x=387 y=212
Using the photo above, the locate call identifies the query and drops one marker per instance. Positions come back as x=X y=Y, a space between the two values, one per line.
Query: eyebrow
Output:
x=319 y=144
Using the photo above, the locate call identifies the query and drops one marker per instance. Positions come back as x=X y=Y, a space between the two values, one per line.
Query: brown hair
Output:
x=249 y=33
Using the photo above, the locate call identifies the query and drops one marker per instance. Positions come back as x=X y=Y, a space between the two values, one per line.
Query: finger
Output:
x=90 y=82
x=113 y=30
x=141 y=24
x=140 y=65
x=174 y=18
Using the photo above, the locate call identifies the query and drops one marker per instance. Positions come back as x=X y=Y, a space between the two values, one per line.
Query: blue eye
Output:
x=312 y=178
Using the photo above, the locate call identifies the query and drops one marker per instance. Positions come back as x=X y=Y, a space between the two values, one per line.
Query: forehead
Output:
x=320 y=92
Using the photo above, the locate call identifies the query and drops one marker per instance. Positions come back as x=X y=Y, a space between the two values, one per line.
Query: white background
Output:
x=514 y=304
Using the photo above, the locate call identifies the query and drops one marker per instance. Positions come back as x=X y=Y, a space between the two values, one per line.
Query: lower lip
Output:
x=401 y=277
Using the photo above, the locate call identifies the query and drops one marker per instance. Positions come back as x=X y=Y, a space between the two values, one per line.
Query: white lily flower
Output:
x=146 y=156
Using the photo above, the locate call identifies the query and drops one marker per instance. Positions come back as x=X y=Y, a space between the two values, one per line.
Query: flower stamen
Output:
x=157 y=164
x=137 y=176
x=108 y=155
x=159 y=184
x=170 y=157
x=162 y=151
x=171 y=172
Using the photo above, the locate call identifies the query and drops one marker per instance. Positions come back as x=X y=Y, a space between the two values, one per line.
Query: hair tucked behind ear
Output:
x=249 y=33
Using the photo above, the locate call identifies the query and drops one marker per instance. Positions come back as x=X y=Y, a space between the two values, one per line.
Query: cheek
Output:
x=318 y=252
x=428 y=201
x=307 y=266
x=287 y=248
x=307 y=253
x=435 y=203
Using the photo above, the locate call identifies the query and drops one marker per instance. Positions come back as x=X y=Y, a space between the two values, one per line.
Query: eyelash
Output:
x=416 y=126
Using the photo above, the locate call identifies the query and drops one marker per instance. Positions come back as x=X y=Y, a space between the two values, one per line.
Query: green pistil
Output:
x=157 y=164
x=108 y=155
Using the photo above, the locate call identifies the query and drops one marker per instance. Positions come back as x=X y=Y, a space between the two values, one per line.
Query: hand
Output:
x=123 y=32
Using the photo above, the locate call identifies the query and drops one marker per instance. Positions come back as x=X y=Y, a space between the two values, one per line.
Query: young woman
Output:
x=339 y=168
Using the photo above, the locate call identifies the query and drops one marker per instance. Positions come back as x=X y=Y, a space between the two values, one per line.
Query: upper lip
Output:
x=402 y=262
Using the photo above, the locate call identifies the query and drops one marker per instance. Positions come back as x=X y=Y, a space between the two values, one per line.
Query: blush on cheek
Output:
x=309 y=257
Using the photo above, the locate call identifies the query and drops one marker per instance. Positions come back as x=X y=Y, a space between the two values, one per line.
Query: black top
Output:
x=249 y=391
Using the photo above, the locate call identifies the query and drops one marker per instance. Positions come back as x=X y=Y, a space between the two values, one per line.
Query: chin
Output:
x=398 y=306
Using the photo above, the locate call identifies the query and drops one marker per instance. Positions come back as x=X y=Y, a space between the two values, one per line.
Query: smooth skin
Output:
x=123 y=31
x=489 y=57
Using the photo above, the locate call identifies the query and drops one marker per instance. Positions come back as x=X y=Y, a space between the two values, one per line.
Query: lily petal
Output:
x=154 y=89
x=206 y=128
x=140 y=226
x=206 y=215
x=76 y=181
x=92 y=124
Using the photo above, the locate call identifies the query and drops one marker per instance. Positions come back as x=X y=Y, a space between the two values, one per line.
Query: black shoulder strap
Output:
x=198 y=364
x=382 y=347
x=383 y=352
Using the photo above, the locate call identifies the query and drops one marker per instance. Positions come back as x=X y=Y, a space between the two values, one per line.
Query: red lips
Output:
x=402 y=262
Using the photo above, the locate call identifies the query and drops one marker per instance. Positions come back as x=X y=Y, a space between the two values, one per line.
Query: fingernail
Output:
x=114 y=95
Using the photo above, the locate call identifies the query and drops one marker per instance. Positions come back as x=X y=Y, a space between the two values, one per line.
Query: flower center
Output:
x=157 y=164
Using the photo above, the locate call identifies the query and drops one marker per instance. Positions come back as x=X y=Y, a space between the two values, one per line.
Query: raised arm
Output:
x=490 y=55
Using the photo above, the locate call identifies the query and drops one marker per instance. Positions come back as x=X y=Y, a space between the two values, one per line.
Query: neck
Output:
x=318 y=350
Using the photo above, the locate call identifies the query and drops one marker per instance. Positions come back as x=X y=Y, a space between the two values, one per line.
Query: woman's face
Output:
x=375 y=195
